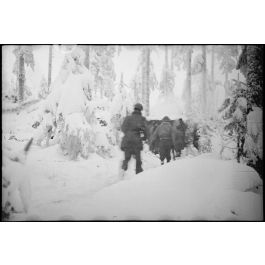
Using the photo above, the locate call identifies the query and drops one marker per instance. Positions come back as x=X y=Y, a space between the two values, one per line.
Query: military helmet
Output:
x=166 y=118
x=138 y=106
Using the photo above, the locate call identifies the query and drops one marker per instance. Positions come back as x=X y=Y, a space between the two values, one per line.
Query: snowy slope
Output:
x=201 y=188
x=187 y=189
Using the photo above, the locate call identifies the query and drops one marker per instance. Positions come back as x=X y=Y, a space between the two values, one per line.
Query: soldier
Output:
x=134 y=129
x=178 y=136
x=164 y=132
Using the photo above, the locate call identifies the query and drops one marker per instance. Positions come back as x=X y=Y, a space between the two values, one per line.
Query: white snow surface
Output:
x=190 y=188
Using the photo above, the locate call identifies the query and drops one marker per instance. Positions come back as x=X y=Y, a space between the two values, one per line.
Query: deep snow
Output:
x=199 y=188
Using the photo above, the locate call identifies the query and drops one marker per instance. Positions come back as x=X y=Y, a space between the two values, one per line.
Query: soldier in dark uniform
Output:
x=178 y=136
x=134 y=129
x=164 y=133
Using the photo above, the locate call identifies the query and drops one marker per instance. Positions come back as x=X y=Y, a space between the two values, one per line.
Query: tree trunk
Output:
x=212 y=92
x=143 y=74
x=204 y=81
x=121 y=83
x=189 y=53
x=136 y=92
x=254 y=74
x=166 y=71
x=50 y=68
x=238 y=149
x=87 y=59
x=226 y=85
x=21 y=78
x=172 y=60
x=147 y=81
x=212 y=69
x=101 y=88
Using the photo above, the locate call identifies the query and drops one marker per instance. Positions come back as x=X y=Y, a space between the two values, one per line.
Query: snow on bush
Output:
x=238 y=115
x=72 y=99
x=77 y=136
x=17 y=193
x=254 y=121
x=189 y=151
x=242 y=102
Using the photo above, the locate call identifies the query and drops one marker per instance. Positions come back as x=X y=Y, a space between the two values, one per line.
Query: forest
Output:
x=84 y=93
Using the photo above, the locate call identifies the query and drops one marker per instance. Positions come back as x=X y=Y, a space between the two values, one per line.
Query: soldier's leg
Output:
x=162 y=151
x=177 y=150
x=138 y=161
x=168 y=149
x=127 y=157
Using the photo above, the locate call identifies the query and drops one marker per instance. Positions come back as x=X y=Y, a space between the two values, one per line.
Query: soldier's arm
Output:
x=124 y=126
x=154 y=136
x=145 y=128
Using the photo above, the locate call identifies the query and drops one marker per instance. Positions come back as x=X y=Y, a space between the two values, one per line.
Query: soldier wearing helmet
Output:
x=134 y=129
x=164 y=133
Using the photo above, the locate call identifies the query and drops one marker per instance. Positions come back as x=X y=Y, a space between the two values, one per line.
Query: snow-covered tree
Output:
x=204 y=81
x=183 y=59
x=251 y=65
x=234 y=113
x=227 y=56
x=144 y=80
x=80 y=126
x=102 y=66
x=50 y=66
x=244 y=107
x=121 y=105
x=168 y=77
x=24 y=56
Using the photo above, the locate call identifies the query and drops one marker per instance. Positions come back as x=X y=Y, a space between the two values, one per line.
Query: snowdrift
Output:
x=187 y=189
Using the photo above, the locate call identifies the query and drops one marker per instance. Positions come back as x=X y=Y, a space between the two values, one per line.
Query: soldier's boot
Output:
x=139 y=168
x=123 y=168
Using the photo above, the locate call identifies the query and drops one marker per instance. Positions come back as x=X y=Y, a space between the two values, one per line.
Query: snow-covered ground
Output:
x=199 y=188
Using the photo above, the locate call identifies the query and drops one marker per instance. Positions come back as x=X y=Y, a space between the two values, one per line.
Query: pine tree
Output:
x=24 y=56
x=189 y=54
x=87 y=51
x=50 y=67
x=204 y=80
x=168 y=77
x=182 y=60
x=146 y=78
x=102 y=66
x=251 y=64
x=254 y=76
x=21 y=78
x=227 y=55
x=245 y=97
x=212 y=86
